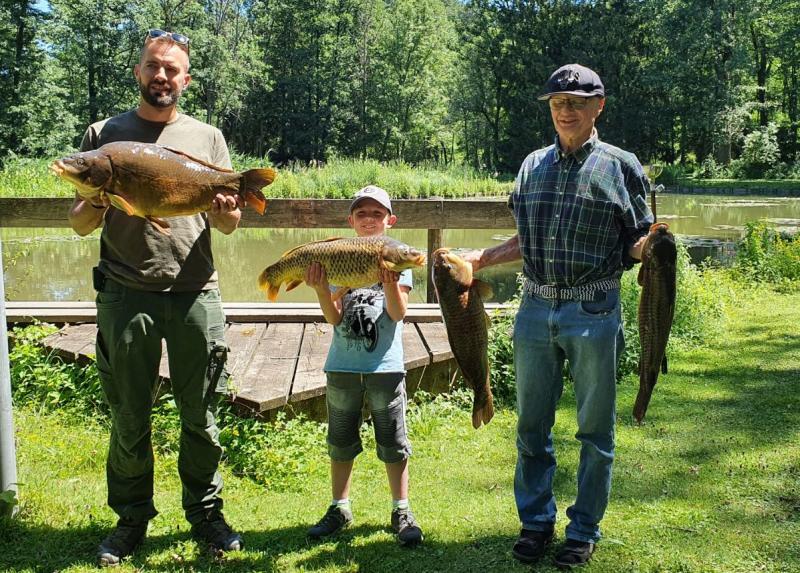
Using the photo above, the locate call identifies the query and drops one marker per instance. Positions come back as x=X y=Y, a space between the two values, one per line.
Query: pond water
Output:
x=55 y=264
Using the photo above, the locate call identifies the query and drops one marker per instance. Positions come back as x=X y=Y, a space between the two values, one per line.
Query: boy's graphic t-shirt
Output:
x=367 y=339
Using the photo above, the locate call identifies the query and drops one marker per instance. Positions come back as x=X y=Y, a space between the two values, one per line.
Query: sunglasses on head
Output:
x=174 y=36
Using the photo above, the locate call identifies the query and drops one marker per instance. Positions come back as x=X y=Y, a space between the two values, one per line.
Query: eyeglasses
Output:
x=577 y=104
x=174 y=36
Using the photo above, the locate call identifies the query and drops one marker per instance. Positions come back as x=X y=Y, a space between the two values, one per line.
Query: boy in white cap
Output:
x=366 y=359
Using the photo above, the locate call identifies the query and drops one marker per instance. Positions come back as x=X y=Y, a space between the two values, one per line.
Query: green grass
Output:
x=710 y=482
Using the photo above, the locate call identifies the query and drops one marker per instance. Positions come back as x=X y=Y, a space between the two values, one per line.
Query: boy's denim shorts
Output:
x=385 y=394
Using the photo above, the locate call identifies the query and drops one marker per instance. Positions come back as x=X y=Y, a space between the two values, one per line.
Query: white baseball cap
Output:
x=372 y=192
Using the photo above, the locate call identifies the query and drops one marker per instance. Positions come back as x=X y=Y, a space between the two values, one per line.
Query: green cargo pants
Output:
x=131 y=324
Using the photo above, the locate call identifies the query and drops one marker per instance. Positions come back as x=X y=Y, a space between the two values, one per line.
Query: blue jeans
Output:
x=589 y=335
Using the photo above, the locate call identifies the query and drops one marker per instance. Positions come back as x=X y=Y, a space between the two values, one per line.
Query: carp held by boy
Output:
x=154 y=181
x=349 y=263
x=657 y=277
x=461 y=301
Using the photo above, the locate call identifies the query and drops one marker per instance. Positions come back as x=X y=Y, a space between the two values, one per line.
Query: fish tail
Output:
x=269 y=288
x=252 y=182
x=482 y=413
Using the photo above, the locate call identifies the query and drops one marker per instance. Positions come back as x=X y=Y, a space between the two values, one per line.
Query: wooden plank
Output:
x=68 y=312
x=163 y=366
x=435 y=336
x=72 y=342
x=266 y=381
x=415 y=353
x=242 y=340
x=434 y=243
x=484 y=213
x=309 y=378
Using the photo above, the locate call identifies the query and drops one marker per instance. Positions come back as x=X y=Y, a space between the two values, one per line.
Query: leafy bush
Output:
x=761 y=151
x=766 y=256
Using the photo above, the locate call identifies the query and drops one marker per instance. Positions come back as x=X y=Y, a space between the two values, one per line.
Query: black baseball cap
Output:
x=574 y=79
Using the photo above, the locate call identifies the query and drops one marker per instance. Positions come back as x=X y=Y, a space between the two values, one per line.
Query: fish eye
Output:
x=80 y=161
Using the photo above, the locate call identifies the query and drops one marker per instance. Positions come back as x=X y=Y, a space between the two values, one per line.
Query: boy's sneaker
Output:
x=216 y=533
x=121 y=542
x=405 y=526
x=334 y=520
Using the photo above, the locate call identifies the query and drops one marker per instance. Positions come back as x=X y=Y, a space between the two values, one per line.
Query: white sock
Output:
x=400 y=504
x=341 y=502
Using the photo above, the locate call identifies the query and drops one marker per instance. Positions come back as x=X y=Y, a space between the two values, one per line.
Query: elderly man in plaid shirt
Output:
x=582 y=216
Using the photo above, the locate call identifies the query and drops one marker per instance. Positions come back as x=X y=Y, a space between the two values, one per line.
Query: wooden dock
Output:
x=277 y=351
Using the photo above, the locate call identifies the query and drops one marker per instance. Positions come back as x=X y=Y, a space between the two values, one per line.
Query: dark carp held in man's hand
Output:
x=657 y=277
x=153 y=181
x=349 y=263
x=461 y=300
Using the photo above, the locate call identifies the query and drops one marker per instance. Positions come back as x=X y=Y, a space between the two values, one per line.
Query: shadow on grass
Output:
x=361 y=548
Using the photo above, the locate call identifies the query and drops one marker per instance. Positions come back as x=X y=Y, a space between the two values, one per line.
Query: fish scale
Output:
x=657 y=277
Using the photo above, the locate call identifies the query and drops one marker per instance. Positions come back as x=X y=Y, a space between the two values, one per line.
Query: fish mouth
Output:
x=57 y=167
x=420 y=260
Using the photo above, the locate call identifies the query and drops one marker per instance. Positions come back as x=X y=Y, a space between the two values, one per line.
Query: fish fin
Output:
x=488 y=320
x=340 y=292
x=160 y=224
x=328 y=240
x=664 y=365
x=252 y=182
x=389 y=265
x=484 y=289
x=640 y=276
x=293 y=284
x=121 y=204
x=270 y=289
x=196 y=160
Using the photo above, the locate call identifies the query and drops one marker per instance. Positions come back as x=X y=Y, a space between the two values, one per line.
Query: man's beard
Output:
x=159 y=100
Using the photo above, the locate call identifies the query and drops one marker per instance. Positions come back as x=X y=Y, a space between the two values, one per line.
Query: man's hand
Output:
x=636 y=249
x=225 y=212
x=473 y=258
x=223 y=204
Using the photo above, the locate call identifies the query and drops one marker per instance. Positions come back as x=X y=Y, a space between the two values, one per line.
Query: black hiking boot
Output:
x=531 y=545
x=216 y=533
x=574 y=553
x=406 y=527
x=334 y=520
x=121 y=542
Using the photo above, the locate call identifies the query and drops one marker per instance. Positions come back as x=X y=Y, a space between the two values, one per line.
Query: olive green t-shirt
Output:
x=132 y=251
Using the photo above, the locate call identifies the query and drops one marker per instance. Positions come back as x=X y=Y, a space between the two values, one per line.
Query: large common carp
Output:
x=349 y=263
x=657 y=277
x=154 y=181
x=461 y=300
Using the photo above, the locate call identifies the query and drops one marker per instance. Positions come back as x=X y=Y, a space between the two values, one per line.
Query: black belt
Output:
x=586 y=292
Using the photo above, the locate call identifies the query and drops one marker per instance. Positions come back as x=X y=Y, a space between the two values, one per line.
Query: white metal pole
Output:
x=8 y=456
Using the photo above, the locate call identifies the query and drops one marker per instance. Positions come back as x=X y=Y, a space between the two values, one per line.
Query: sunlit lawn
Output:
x=710 y=483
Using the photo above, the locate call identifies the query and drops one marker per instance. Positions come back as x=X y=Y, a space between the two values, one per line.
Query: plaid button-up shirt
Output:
x=578 y=213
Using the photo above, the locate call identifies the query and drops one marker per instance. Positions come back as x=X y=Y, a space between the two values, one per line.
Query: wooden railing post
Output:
x=434 y=242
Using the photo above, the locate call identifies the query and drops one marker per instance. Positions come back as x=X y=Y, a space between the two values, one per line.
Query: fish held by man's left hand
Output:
x=154 y=181
x=461 y=302
x=658 y=279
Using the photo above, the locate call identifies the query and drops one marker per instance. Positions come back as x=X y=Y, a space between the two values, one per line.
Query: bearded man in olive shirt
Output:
x=150 y=287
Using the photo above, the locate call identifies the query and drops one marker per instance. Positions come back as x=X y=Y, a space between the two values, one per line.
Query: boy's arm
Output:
x=317 y=279
x=396 y=295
